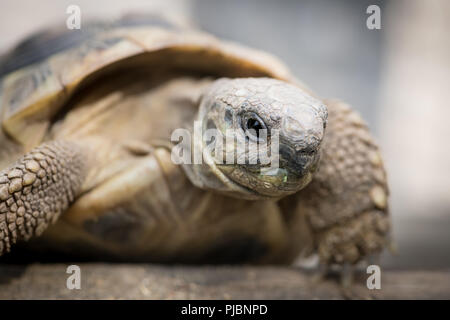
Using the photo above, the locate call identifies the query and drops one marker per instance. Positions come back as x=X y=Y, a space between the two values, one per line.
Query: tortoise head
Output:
x=260 y=138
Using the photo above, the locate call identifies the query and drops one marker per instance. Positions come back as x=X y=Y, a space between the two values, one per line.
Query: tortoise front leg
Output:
x=345 y=206
x=37 y=189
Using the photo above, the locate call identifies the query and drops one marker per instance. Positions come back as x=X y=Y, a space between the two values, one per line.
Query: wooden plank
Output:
x=141 y=281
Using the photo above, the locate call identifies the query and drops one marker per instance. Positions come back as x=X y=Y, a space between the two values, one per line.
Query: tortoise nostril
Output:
x=308 y=151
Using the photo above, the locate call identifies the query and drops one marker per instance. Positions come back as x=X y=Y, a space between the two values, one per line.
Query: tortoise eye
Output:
x=252 y=124
x=255 y=125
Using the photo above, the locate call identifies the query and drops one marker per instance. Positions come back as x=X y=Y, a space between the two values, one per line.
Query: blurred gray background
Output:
x=397 y=77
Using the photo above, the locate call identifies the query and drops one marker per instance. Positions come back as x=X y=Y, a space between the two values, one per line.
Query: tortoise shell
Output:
x=33 y=93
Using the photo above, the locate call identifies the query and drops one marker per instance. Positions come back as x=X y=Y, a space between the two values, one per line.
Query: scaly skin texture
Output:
x=37 y=189
x=346 y=203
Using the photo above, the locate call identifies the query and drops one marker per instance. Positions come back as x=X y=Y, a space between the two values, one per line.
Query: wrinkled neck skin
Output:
x=207 y=175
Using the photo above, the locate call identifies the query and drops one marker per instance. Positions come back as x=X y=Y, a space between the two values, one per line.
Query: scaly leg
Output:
x=345 y=206
x=37 y=189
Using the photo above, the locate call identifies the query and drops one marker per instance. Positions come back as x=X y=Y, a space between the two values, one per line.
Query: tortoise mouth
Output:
x=260 y=183
x=250 y=194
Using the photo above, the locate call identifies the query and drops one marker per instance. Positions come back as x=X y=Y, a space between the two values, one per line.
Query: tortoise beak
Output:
x=302 y=131
x=298 y=163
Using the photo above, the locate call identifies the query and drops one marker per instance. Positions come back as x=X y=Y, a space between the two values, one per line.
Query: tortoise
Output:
x=90 y=166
